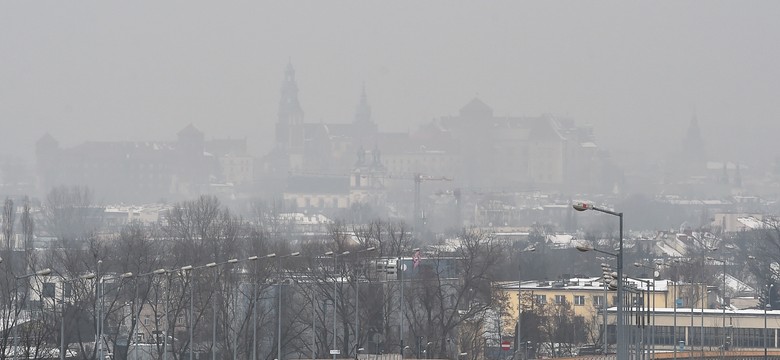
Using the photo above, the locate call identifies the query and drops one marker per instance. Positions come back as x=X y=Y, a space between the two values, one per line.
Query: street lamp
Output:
x=700 y=289
x=137 y=310
x=62 y=309
x=102 y=281
x=402 y=302
x=186 y=269
x=656 y=274
x=768 y=304
x=607 y=278
x=622 y=346
x=214 y=265
x=723 y=299
x=357 y=298
x=254 y=307
x=279 y=310
x=100 y=288
x=98 y=306
x=334 y=350
x=518 y=334
x=165 y=310
x=43 y=272
x=641 y=307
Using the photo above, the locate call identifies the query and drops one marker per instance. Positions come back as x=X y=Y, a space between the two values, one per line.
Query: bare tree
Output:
x=28 y=225
x=70 y=215
x=559 y=328
x=9 y=218
x=759 y=251
x=453 y=291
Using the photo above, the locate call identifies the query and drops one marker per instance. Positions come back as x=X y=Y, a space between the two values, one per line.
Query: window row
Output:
x=579 y=300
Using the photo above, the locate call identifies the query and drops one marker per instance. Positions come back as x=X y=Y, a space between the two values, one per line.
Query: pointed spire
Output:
x=289 y=72
x=289 y=107
x=693 y=145
x=363 y=112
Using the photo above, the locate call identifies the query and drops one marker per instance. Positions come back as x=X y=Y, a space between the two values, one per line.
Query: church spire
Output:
x=289 y=126
x=363 y=112
x=289 y=108
x=693 y=145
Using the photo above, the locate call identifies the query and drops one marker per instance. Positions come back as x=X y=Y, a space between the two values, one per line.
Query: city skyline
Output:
x=636 y=72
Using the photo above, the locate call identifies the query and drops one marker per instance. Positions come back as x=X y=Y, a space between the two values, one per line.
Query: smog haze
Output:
x=636 y=71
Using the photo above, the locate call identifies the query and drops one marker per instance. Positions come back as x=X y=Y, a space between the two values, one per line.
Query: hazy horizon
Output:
x=636 y=71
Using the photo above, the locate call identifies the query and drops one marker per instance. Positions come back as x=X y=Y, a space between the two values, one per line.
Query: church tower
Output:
x=289 y=126
x=693 y=145
x=364 y=128
x=367 y=181
x=363 y=112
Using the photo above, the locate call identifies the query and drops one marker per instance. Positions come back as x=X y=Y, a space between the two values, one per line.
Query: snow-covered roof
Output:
x=754 y=223
x=668 y=250
x=304 y=219
x=560 y=239
x=588 y=283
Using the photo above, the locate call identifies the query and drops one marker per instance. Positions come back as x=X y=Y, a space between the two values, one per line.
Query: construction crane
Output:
x=418 y=179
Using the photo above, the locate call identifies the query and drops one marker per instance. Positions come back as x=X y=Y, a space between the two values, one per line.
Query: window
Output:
x=579 y=300
x=146 y=320
x=560 y=299
x=598 y=301
x=540 y=299
x=67 y=289
x=48 y=290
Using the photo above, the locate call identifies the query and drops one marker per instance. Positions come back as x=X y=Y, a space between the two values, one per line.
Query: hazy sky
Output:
x=636 y=70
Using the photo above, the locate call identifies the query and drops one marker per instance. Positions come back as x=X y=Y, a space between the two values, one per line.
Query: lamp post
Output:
x=43 y=272
x=656 y=274
x=188 y=269
x=641 y=306
x=518 y=334
x=402 y=302
x=167 y=316
x=254 y=306
x=606 y=270
x=101 y=284
x=622 y=346
x=62 y=309
x=357 y=299
x=279 y=310
x=334 y=350
x=214 y=265
x=98 y=307
x=766 y=306
x=723 y=299
x=137 y=309
x=606 y=279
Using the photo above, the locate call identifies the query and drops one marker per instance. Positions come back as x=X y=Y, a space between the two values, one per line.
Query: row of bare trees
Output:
x=315 y=301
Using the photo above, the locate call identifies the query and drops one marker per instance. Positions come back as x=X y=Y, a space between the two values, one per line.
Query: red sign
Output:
x=505 y=345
